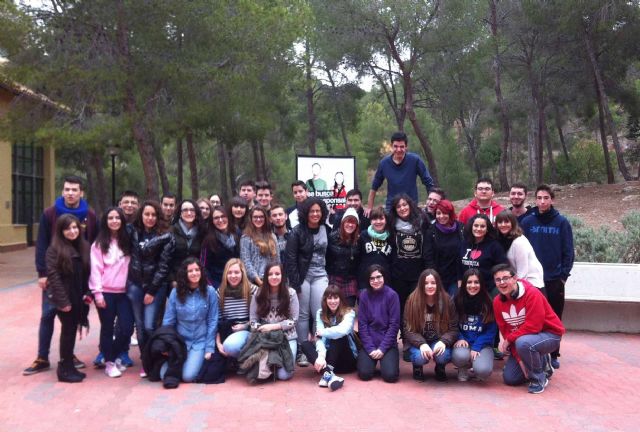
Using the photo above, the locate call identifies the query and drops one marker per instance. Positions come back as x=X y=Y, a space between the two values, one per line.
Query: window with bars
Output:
x=27 y=189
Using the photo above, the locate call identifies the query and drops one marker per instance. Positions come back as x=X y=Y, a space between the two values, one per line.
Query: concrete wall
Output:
x=603 y=298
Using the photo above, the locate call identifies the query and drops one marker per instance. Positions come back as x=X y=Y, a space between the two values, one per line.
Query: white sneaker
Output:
x=335 y=382
x=134 y=341
x=323 y=382
x=463 y=374
x=111 y=370
x=120 y=366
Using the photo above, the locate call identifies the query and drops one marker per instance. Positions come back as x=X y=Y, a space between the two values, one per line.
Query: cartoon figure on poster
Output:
x=315 y=170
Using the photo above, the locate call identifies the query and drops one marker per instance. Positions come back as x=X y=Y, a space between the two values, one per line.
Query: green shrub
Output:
x=605 y=245
x=585 y=164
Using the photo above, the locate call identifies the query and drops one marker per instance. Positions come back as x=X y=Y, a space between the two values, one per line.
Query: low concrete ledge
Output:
x=603 y=297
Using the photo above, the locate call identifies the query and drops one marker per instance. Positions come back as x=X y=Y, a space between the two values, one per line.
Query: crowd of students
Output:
x=256 y=288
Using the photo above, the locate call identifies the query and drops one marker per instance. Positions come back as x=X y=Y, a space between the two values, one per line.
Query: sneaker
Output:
x=555 y=363
x=535 y=387
x=463 y=374
x=143 y=374
x=440 y=373
x=112 y=370
x=121 y=366
x=418 y=373
x=125 y=359
x=77 y=363
x=497 y=354
x=38 y=365
x=335 y=382
x=324 y=380
x=301 y=360
x=134 y=341
x=98 y=363
x=548 y=366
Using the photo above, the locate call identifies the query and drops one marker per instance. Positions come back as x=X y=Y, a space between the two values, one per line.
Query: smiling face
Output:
x=479 y=229
x=376 y=280
x=354 y=201
x=215 y=200
x=278 y=217
x=432 y=201
x=71 y=232
x=129 y=205
x=473 y=285
x=517 y=197
x=299 y=193
x=220 y=221
x=234 y=275
x=193 y=275
x=333 y=303
x=258 y=218
x=379 y=224
x=505 y=282
x=114 y=222
x=238 y=212
x=442 y=218
x=149 y=217
x=399 y=150
x=483 y=193
x=264 y=197
x=188 y=213
x=350 y=225
x=315 y=215
x=430 y=285
x=274 y=278
x=504 y=226
x=403 y=209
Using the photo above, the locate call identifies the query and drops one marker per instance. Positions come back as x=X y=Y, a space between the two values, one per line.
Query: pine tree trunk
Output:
x=224 y=185
x=603 y=139
x=558 y=121
x=180 y=169
x=232 y=167
x=312 y=133
x=256 y=160
x=162 y=168
x=193 y=165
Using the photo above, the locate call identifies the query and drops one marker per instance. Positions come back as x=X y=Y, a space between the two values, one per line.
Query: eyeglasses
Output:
x=502 y=280
x=188 y=210
x=204 y=208
x=484 y=189
x=377 y=277
x=218 y=218
x=257 y=217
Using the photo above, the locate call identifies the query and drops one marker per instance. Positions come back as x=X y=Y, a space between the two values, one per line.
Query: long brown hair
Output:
x=463 y=295
x=349 y=239
x=262 y=237
x=416 y=307
x=245 y=285
x=65 y=249
x=262 y=298
x=104 y=234
x=343 y=309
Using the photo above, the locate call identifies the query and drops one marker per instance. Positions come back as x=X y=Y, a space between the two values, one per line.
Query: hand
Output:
x=265 y=328
x=42 y=283
x=238 y=327
x=461 y=344
x=504 y=345
x=320 y=364
x=148 y=299
x=474 y=355
x=101 y=303
x=439 y=347
x=258 y=281
x=366 y=211
x=426 y=352
x=221 y=349
x=207 y=356
x=319 y=333
x=65 y=309
x=376 y=354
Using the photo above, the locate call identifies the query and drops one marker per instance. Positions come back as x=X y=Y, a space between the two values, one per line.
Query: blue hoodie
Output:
x=551 y=236
x=477 y=334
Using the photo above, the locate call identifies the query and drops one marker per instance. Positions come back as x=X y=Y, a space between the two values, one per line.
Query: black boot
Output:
x=68 y=373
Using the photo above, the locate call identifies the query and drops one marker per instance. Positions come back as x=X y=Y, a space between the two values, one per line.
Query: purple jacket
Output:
x=379 y=319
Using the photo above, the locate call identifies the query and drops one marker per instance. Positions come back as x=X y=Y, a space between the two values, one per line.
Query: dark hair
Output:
x=65 y=249
x=299 y=183
x=468 y=228
x=103 y=239
x=506 y=215
x=247 y=183
x=414 y=214
x=349 y=239
x=343 y=308
x=400 y=136
x=161 y=226
x=169 y=195
x=183 y=288
x=263 y=184
x=374 y=268
x=335 y=183
x=211 y=240
x=484 y=180
x=415 y=309
x=503 y=267
x=546 y=188
x=463 y=297
x=237 y=201
x=306 y=206
x=353 y=192
x=438 y=191
x=129 y=193
x=73 y=179
x=520 y=186
x=446 y=206
x=378 y=213
x=262 y=298
x=277 y=206
x=197 y=223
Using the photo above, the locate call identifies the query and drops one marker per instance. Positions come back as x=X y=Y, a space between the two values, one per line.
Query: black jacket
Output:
x=442 y=252
x=342 y=260
x=166 y=339
x=298 y=254
x=150 y=259
x=183 y=249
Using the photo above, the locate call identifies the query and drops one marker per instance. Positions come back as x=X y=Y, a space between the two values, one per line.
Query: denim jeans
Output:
x=482 y=365
x=531 y=349
x=45 y=330
x=310 y=300
x=117 y=305
x=418 y=360
x=281 y=373
x=234 y=343
x=145 y=316
x=190 y=368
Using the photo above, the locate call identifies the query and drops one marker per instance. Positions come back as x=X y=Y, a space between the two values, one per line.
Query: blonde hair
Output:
x=245 y=286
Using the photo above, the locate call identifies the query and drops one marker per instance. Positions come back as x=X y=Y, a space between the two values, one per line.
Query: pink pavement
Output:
x=596 y=389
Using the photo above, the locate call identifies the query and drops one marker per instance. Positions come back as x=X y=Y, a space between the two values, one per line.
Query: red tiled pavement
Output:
x=595 y=390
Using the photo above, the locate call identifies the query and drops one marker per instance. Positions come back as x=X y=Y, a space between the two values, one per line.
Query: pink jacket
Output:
x=108 y=271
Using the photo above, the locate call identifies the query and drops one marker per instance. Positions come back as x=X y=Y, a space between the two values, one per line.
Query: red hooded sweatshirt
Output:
x=473 y=208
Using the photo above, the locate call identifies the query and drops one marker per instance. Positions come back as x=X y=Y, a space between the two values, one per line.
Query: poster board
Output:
x=322 y=173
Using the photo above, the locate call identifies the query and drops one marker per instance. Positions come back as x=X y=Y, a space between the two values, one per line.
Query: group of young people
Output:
x=260 y=287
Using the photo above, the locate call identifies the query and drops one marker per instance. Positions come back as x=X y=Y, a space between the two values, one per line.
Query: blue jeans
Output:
x=531 y=349
x=418 y=360
x=45 y=331
x=234 y=343
x=117 y=305
x=281 y=373
x=145 y=316
x=190 y=368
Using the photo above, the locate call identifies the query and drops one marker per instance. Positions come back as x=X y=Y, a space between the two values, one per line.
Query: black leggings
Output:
x=555 y=296
x=389 y=365
x=67 y=334
x=339 y=354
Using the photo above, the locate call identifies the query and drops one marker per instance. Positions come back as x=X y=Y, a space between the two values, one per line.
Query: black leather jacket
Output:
x=298 y=253
x=342 y=260
x=150 y=259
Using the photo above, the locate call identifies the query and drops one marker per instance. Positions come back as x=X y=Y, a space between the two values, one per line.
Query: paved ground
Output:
x=595 y=390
